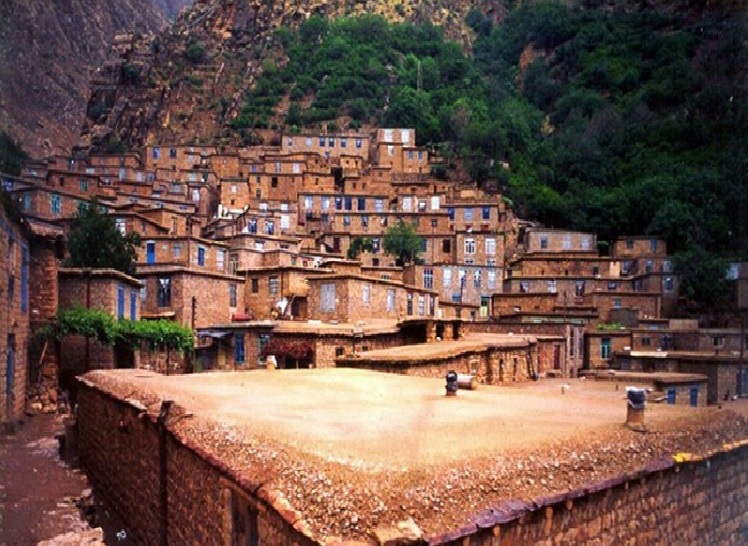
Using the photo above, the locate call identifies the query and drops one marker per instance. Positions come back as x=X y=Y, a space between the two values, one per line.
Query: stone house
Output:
x=107 y=290
x=15 y=263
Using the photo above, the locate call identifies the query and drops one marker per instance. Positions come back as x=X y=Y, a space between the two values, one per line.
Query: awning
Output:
x=213 y=333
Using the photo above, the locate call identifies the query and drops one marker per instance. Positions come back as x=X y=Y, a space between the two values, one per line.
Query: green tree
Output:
x=358 y=245
x=12 y=155
x=402 y=242
x=95 y=241
x=703 y=278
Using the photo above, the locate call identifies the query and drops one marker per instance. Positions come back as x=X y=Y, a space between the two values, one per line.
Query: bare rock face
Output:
x=47 y=53
x=189 y=82
x=92 y=537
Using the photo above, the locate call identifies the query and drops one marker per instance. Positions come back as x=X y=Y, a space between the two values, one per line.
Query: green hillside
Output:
x=618 y=121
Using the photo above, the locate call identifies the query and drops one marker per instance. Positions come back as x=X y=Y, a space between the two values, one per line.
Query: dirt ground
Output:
x=38 y=492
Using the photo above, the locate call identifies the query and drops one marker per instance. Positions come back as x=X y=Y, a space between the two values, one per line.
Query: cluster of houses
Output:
x=253 y=246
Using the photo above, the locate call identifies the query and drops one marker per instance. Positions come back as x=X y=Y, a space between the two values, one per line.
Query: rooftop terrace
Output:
x=352 y=450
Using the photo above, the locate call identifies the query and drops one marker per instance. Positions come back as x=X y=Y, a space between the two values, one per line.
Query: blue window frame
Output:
x=361 y=203
x=605 y=348
x=156 y=152
x=451 y=213
x=55 y=203
x=133 y=304
x=348 y=203
x=200 y=256
x=486 y=213
x=239 y=348
x=120 y=302
x=468 y=214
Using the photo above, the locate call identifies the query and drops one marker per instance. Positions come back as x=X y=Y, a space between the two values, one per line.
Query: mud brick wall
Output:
x=119 y=451
x=703 y=502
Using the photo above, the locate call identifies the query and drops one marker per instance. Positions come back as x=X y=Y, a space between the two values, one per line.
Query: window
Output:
x=273 y=284
x=322 y=142
x=648 y=266
x=605 y=348
x=361 y=203
x=543 y=241
x=585 y=242
x=296 y=168
x=120 y=302
x=133 y=304
x=83 y=184
x=446 y=246
x=163 y=295
x=667 y=266
x=579 y=288
x=269 y=227
x=26 y=201
x=285 y=221
x=331 y=142
x=379 y=204
x=477 y=279
x=468 y=214
x=491 y=279
x=407 y=203
x=461 y=275
x=121 y=225
x=420 y=155
x=239 y=348
x=156 y=152
x=325 y=203
x=308 y=202
x=346 y=220
x=364 y=220
x=447 y=278
x=366 y=293
x=176 y=250
x=327 y=297
x=428 y=278
x=233 y=263
x=421 y=305
x=486 y=213
x=612 y=285
x=255 y=285
x=667 y=284
x=551 y=286
x=390 y=299
x=469 y=246
x=451 y=213
x=252 y=225
x=232 y=295
x=274 y=182
x=220 y=259
x=616 y=303
x=410 y=155
x=55 y=203
x=491 y=262
x=343 y=143
x=201 y=256
x=566 y=242
x=490 y=246
x=359 y=143
x=339 y=351
x=338 y=203
x=646 y=342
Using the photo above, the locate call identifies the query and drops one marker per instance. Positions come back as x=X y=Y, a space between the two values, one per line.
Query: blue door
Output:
x=694 y=396
x=150 y=253
x=671 y=396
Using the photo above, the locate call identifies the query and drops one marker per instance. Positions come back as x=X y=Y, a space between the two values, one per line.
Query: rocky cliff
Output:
x=47 y=52
x=187 y=84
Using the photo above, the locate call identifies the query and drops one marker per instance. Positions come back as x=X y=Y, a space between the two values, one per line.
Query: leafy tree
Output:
x=12 y=155
x=358 y=245
x=703 y=278
x=95 y=241
x=402 y=242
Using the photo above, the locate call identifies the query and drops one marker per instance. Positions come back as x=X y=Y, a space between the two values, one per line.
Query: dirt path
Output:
x=38 y=492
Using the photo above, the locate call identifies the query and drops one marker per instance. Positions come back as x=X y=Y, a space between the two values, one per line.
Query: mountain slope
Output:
x=47 y=50
x=193 y=82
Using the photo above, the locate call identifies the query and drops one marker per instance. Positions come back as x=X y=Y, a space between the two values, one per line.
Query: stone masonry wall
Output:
x=699 y=502
x=704 y=502
x=119 y=450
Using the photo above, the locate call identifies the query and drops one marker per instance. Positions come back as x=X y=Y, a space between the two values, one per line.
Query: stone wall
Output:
x=702 y=502
x=698 y=502
x=120 y=450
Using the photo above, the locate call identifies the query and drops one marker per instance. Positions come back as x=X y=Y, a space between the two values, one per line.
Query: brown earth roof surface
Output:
x=349 y=451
